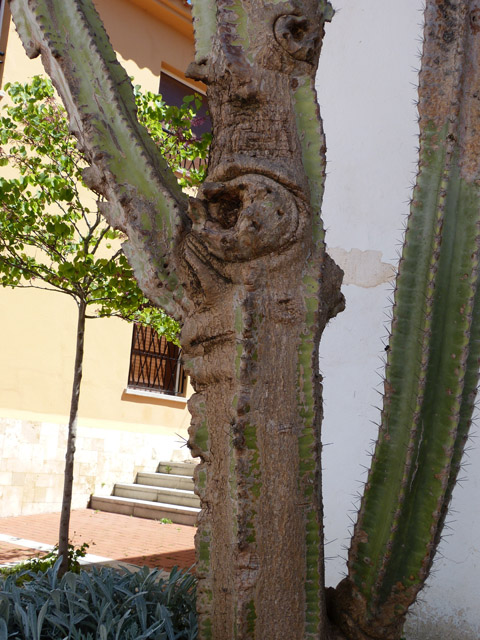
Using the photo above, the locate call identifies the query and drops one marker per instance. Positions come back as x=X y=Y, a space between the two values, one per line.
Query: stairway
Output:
x=168 y=493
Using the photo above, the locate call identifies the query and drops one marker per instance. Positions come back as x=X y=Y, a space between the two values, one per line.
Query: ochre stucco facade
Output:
x=119 y=432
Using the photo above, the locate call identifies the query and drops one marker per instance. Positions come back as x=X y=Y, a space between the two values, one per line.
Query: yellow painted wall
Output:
x=37 y=329
x=147 y=34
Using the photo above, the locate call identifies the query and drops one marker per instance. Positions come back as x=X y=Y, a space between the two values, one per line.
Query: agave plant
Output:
x=104 y=604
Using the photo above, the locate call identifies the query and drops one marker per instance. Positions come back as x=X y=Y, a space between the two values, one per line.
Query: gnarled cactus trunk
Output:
x=263 y=289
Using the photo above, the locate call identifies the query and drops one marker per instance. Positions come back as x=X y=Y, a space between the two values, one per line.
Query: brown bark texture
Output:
x=263 y=290
x=71 y=442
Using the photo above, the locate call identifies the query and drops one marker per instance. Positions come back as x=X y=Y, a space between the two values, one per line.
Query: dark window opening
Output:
x=155 y=363
x=173 y=92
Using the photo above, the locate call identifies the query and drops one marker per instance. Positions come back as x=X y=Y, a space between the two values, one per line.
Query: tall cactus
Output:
x=256 y=423
x=243 y=266
x=434 y=350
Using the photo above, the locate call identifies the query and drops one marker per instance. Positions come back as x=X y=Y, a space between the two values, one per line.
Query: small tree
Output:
x=51 y=239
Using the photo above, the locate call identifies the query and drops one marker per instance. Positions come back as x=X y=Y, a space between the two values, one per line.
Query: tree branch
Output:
x=36 y=239
x=44 y=273
x=72 y=294
x=99 y=239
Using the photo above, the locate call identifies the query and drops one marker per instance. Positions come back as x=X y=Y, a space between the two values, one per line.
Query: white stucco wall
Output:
x=366 y=85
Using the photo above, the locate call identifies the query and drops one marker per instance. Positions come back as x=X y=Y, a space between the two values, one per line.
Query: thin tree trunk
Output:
x=72 y=436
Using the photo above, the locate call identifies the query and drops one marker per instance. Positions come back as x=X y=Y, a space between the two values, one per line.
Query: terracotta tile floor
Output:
x=123 y=538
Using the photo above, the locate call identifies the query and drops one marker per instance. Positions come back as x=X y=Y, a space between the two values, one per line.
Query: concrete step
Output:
x=165 y=480
x=167 y=495
x=177 y=468
x=145 y=509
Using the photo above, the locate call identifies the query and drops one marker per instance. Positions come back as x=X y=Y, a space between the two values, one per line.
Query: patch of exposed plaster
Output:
x=363 y=268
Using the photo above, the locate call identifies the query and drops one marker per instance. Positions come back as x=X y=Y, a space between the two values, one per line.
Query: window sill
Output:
x=155 y=395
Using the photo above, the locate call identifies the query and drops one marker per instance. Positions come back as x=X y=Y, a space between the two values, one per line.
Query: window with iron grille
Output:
x=155 y=363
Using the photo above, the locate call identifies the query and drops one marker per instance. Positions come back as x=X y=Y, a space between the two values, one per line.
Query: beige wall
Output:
x=37 y=328
x=33 y=457
x=37 y=344
x=148 y=34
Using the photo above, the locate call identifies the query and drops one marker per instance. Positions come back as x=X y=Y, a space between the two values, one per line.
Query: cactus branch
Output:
x=432 y=366
x=144 y=199
x=205 y=26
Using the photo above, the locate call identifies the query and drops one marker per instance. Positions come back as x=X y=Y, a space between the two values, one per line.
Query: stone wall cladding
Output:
x=33 y=458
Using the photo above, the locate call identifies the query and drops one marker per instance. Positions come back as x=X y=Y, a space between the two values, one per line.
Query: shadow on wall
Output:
x=136 y=34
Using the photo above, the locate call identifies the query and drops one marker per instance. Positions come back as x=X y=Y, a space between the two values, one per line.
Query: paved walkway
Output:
x=116 y=537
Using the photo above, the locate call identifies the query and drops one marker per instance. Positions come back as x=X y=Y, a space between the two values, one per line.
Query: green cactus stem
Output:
x=205 y=25
x=433 y=357
x=126 y=167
